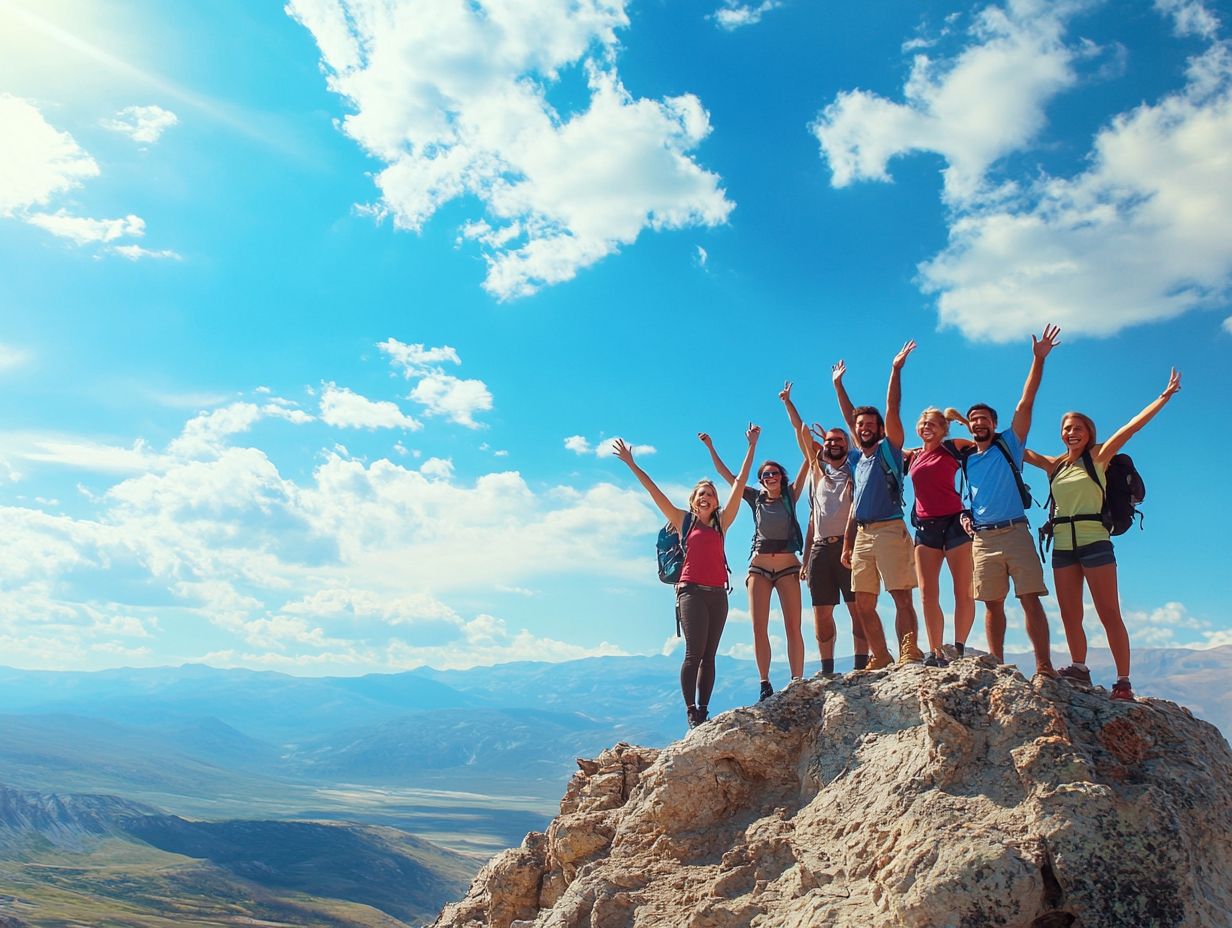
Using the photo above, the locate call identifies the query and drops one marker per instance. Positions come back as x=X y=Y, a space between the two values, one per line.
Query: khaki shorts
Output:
x=1004 y=554
x=883 y=548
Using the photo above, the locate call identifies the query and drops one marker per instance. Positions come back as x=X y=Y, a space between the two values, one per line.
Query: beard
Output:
x=836 y=455
x=870 y=442
x=982 y=434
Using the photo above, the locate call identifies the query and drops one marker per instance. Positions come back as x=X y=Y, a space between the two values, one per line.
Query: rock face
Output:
x=964 y=797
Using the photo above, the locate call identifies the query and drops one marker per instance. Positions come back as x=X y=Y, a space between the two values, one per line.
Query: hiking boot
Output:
x=908 y=653
x=935 y=659
x=691 y=712
x=702 y=715
x=1122 y=690
x=1072 y=674
x=766 y=690
x=876 y=663
x=1047 y=671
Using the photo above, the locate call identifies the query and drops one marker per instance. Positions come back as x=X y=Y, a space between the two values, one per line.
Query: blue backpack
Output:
x=670 y=549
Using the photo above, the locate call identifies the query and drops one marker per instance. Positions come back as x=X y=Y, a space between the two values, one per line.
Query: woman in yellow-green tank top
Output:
x=1082 y=550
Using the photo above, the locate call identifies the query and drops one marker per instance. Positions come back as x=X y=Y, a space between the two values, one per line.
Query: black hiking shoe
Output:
x=691 y=712
x=766 y=690
x=936 y=660
x=1079 y=675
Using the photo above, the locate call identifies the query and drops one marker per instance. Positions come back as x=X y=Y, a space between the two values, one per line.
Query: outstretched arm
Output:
x=672 y=513
x=714 y=457
x=1130 y=428
x=792 y=413
x=732 y=507
x=894 y=396
x=798 y=484
x=844 y=401
x=1040 y=347
x=1042 y=461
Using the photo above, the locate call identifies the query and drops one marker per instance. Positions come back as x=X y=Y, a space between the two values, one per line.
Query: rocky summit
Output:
x=963 y=797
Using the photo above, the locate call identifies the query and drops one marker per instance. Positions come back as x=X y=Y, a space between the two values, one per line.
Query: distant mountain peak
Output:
x=919 y=797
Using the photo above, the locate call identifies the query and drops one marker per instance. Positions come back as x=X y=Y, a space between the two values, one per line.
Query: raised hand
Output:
x=838 y=370
x=752 y=433
x=704 y=438
x=1041 y=346
x=622 y=451
x=785 y=393
x=819 y=430
x=1174 y=384
x=901 y=358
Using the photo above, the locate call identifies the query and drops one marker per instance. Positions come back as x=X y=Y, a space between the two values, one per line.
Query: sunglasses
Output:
x=835 y=440
x=766 y=475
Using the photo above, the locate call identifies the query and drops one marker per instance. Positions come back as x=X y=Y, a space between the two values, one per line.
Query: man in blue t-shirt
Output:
x=877 y=546
x=1002 y=549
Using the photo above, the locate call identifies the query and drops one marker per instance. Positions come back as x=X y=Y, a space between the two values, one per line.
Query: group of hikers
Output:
x=857 y=539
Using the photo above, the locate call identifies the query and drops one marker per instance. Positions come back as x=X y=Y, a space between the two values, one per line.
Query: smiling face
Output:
x=704 y=500
x=868 y=429
x=1077 y=432
x=835 y=445
x=771 y=476
x=982 y=422
x=932 y=425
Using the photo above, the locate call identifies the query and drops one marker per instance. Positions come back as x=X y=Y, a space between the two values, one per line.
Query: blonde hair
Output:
x=932 y=412
x=1086 y=420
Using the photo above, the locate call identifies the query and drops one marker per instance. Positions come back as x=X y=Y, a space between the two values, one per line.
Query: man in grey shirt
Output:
x=830 y=495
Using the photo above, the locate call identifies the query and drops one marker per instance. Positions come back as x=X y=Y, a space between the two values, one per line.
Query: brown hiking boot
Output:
x=1047 y=671
x=908 y=652
x=1072 y=674
x=1122 y=690
x=876 y=663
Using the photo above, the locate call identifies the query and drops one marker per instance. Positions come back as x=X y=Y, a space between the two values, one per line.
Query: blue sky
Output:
x=314 y=321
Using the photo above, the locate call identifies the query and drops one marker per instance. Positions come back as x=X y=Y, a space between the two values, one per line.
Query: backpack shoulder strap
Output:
x=686 y=526
x=891 y=470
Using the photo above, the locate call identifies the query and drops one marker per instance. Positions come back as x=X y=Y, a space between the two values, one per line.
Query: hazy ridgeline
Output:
x=253 y=787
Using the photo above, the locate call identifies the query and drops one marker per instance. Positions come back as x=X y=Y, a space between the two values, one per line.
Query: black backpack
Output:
x=1121 y=495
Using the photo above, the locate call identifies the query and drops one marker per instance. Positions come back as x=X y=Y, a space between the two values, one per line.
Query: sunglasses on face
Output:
x=834 y=441
x=766 y=475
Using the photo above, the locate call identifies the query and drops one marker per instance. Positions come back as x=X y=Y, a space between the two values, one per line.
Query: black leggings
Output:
x=703 y=613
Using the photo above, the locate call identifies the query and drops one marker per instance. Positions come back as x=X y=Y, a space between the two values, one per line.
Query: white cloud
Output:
x=986 y=103
x=453 y=97
x=37 y=161
x=144 y=124
x=416 y=360
x=83 y=231
x=343 y=408
x=1139 y=235
x=437 y=468
x=580 y=444
x=1227 y=325
x=445 y=395
x=733 y=14
x=11 y=357
x=136 y=253
x=402 y=609
x=702 y=256
x=1190 y=17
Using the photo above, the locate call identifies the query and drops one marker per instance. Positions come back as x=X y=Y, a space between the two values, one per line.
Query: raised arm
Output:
x=792 y=413
x=673 y=514
x=808 y=447
x=844 y=401
x=732 y=507
x=1130 y=428
x=894 y=396
x=798 y=484
x=1040 y=347
x=719 y=466
x=1042 y=461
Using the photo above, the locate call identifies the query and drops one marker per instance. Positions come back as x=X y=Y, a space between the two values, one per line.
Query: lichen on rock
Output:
x=963 y=797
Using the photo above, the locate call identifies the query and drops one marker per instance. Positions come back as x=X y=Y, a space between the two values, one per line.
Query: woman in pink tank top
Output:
x=701 y=594
x=939 y=535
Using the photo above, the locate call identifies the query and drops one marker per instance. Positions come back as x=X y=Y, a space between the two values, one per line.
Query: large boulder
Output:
x=963 y=797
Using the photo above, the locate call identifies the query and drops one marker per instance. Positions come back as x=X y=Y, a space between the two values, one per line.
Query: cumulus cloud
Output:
x=1138 y=235
x=454 y=99
x=144 y=124
x=1190 y=17
x=733 y=14
x=137 y=253
x=37 y=161
x=580 y=444
x=343 y=408
x=440 y=393
x=1227 y=325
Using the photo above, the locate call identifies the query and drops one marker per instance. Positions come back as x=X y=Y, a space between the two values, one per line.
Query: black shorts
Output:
x=944 y=534
x=1096 y=554
x=827 y=577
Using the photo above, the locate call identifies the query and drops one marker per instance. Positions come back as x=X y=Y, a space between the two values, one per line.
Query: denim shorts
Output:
x=944 y=533
x=1096 y=554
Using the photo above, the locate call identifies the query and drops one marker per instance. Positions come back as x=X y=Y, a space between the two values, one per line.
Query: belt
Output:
x=681 y=587
x=1021 y=520
x=877 y=521
x=828 y=540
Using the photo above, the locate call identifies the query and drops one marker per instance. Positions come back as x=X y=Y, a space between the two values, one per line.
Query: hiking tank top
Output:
x=1075 y=493
x=703 y=557
x=932 y=479
x=771 y=522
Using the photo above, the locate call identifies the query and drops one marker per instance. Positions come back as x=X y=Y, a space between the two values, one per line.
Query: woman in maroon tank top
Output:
x=701 y=594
